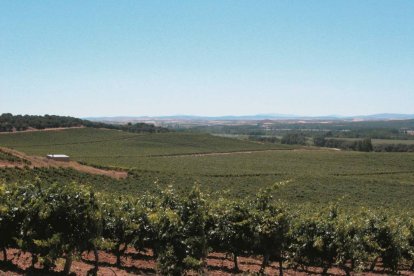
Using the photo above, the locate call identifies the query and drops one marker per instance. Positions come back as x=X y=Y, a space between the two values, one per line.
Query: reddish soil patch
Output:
x=142 y=263
x=42 y=162
x=7 y=164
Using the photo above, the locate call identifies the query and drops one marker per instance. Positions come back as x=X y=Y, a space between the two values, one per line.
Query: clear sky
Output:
x=106 y=58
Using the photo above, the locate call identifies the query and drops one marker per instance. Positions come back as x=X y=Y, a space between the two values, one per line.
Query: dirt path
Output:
x=42 y=162
x=36 y=130
x=240 y=152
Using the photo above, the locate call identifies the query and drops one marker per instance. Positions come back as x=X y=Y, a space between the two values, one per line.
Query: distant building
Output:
x=58 y=157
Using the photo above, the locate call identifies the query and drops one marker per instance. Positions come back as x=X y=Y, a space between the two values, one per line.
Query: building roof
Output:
x=58 y=155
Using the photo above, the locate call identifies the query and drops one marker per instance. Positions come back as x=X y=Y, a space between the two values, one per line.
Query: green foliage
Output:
x=345 y=144
x=64 y=220
x=180 y=226
x=319 y=141
x=374 y=180
x=392 y=147
x=60 y=220
x=313 y=241
x=230 y=228
x=381 y=240
x=10 y=122
x=123 y=224
x=195 y=239
x=294 y=139
x=180 y=241
x=378 y=145
x=170 y=247
x=388 y=129
x=270 y=227
x=11 y=158
x=264 y=139
x=121 y=149
x=364 y=145
x=11 y=217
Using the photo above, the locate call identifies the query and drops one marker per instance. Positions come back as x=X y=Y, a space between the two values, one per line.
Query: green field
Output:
x=316 y=177
x=100 y=144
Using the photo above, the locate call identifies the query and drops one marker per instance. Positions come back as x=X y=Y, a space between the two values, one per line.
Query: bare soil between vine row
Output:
x=138 y=263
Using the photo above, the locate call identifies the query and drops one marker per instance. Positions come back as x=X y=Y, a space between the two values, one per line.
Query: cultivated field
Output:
x=99 y=144
x=238 y=168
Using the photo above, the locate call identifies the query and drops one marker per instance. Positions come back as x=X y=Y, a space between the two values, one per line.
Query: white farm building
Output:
x=58 y=157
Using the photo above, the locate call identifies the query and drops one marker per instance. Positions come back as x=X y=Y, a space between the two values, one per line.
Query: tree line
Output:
x=64 y=220
x=299 y=138
x=364 y=144
x=387 y=129
x=394 y=148
x=10 y=122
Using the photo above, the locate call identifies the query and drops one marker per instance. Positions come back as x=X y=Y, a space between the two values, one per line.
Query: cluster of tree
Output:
x=62 y=221
x=389 y=129
x=264 y=139
x=10 y=122
x=294 y=139
x=375 y=133
x=357 y=145
x=394 y=148
x=130 y=127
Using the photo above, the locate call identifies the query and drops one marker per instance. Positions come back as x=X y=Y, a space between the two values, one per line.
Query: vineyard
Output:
x=281 y=209
x=207 y=138
x=178 y=232
x=222 y=165
x=7 y=157
x=97 y=144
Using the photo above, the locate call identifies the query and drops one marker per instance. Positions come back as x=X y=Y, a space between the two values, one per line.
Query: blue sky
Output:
x=106 y=58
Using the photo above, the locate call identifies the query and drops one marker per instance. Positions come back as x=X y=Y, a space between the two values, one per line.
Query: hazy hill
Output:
x=373 y=117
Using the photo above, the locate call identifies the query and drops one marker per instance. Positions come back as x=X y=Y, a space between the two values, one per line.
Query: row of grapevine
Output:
x=62 y=221
x=6 y=156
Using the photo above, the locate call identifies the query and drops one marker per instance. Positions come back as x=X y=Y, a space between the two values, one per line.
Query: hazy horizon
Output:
x=246 y=115
x=207 y=58
x=270 y=115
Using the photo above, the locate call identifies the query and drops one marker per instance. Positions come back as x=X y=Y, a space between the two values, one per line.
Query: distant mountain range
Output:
x=258 y=117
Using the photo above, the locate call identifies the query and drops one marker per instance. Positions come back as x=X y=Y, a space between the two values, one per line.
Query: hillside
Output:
x=16 y=123
x=240 y=168
x=99 y=144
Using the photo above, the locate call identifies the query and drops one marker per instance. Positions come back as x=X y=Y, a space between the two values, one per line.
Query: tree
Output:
x=319 y=141
x=364 y=145
x=294 y=139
